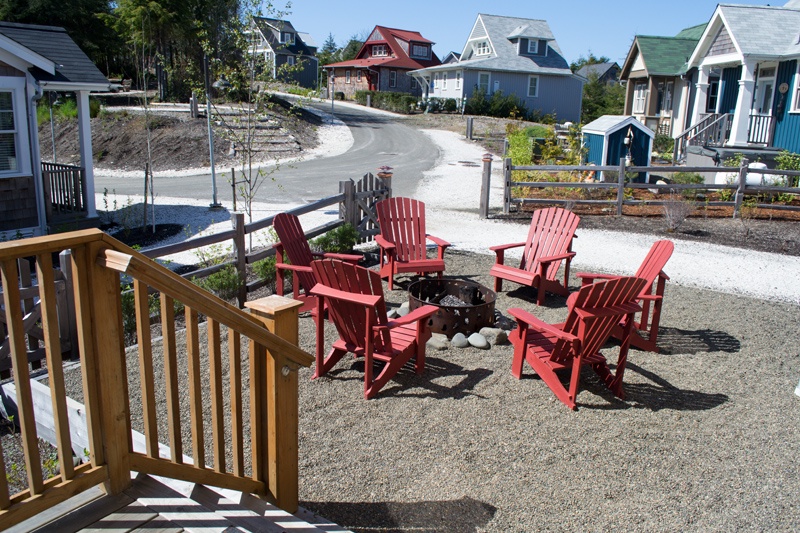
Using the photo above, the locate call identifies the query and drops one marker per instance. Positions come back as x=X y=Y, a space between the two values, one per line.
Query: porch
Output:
x=714 y=130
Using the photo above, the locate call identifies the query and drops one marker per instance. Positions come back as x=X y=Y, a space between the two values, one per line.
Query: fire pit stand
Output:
x=464 y=306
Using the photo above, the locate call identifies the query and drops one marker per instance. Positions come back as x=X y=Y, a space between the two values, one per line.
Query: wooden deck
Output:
x=167 y=506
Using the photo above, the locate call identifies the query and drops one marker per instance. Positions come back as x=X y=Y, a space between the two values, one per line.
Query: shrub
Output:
x=224 y=283
x=676 y=211
x=265 y=269
x=663 y=144
x=538 y=131
x=450 y=105
x=787 y=160
x=339 y=95
x=338 y=240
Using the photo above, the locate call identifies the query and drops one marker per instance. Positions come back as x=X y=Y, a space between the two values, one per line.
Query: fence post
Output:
x=279 y=315
x=65 y=263
x=620 y=186
x=240 y=256
x=737 y=205
x=469 y=128
x=507 y=185
x=385 y=173
x=485 y=184
x=347 y=209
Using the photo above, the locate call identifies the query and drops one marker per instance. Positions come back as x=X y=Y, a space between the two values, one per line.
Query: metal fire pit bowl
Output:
x=464 y=307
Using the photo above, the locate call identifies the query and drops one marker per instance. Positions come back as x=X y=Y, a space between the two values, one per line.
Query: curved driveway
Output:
x=379 y=139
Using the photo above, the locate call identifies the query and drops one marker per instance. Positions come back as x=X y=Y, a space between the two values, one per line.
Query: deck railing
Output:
x=761 y=129
x=65 y=190
x=711 y=130
x=271 y=364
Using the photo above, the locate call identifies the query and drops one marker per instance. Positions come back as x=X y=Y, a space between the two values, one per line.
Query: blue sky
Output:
x=606 y=27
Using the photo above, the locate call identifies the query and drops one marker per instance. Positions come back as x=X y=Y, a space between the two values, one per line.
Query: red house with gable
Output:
x=383 y=62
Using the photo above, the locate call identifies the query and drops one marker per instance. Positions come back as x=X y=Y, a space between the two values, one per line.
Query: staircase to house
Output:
x=712 y=130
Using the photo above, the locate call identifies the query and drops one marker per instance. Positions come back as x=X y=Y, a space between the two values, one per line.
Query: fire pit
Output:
x=464 y=306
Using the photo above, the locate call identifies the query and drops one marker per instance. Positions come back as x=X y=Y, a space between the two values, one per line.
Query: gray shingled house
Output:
x=38 y=197
x=607 y=73
x=290 y=55
x=516 y=56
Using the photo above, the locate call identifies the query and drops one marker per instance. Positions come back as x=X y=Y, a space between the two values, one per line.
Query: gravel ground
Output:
x=707 y=438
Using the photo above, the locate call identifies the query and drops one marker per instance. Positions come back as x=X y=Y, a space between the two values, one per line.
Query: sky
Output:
x=604 y=27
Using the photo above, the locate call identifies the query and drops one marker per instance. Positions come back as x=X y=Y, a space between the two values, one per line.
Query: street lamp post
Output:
x=219 y=84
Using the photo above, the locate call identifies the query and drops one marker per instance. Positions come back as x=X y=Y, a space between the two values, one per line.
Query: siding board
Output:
x=787 y=127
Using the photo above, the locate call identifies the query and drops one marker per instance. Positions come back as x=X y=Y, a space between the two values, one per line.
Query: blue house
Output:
x=754 y=51
x=517 y=56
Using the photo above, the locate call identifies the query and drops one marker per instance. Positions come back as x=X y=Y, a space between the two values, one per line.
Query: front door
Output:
x=765 y=89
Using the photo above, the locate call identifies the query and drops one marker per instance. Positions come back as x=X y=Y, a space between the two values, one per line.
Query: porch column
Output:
x=85 y=139
x=741 y=115
x=679 y=124
x=701 y=96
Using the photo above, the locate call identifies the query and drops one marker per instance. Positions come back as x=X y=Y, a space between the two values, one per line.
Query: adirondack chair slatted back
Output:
x=294 y=243
x=350 y=318
x=654 y=263
x=402 y=222
x=609 y=296
x=550 y=233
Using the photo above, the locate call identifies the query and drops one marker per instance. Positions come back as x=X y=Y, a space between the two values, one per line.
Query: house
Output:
x=747 y=96
x=657 y=79
x=290 y=55
x=38 y=197
x=383 y=62
x=452 y=57
x=516 y=56
x=607 y=73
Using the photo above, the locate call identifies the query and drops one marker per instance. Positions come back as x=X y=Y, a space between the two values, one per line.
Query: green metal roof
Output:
x=665 y=56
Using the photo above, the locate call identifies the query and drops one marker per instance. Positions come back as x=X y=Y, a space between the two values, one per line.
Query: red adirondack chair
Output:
x=593 y=311
x=403 y=239
x=294 y=244
x=549 y=243
x=354 y=296
x=651 y=270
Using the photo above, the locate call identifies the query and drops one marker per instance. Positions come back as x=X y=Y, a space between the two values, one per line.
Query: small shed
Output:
x=612 y=137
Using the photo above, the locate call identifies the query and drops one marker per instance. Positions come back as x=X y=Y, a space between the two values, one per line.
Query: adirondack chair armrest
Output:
x=531 y=321
x=383 y=243
x=368 y=300
x=293 y=268
x=651 y=297
x=504 y=247
x=588 y=278
x=417 y=314
x=663 y=276
x=559 y=257
x=437 y=241
x=347 y=258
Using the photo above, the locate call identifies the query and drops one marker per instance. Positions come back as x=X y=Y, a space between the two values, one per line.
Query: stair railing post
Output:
x=280 y=471
x=620 y=186
x=65 y=264
x=742 y=185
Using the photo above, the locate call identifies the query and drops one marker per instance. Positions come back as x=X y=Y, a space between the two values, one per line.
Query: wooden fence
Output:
x=356 y=201
x=738 y=187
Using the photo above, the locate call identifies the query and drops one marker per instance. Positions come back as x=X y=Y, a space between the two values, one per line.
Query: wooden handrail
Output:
x=162 y=279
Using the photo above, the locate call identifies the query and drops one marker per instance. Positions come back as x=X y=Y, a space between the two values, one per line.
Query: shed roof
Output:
x=608 y=124
x=72 y=65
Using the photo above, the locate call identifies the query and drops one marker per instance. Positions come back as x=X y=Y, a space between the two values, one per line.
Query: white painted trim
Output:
x=27 y=55
x=85 y=138
x=65 y=86
x=16 y=85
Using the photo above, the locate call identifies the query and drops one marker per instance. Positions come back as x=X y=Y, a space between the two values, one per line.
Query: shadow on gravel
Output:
x=464 y=514
x=682 y=341
x=661 y=394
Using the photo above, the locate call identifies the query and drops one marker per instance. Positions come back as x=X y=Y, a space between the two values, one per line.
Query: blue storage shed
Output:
x=612 y=137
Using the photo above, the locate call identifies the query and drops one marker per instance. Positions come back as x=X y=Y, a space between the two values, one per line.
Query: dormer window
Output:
x=420 y=50
x=287 y=37
x=380 y=50
x=533 y=46
x=482 y=48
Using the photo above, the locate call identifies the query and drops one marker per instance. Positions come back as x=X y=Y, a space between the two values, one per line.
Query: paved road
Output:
x=378 y=140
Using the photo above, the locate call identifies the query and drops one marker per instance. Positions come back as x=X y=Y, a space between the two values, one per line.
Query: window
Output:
x=639 y=97
x=419 y=50
x=667 y=103
x=358 y=76
x=8 y=133
x=458 y=79
x=347 y=76
x=435 y=81
x=380 y=50
x=290 y=60
x=392 y=78
x=482 y=48
x=287 y=37
x=483 y=82
x=533 y=46
x=712 y=96
x=533 y=86
x=796 y=100
x=444 y=81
